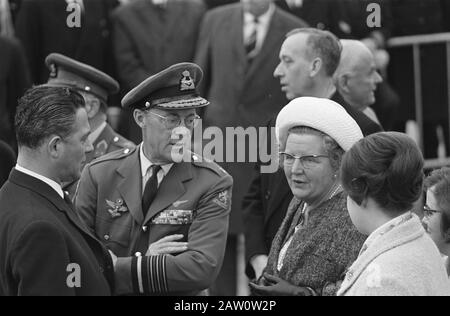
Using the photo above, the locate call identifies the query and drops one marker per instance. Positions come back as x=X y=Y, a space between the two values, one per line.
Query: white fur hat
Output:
x=324 y=115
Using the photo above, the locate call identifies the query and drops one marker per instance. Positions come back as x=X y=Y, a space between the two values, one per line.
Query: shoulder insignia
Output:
x=203 y=162
x=223 y=199
x=115 y=155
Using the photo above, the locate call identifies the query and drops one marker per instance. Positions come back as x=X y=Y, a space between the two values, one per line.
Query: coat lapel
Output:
x=171 y=189
x=130 y=187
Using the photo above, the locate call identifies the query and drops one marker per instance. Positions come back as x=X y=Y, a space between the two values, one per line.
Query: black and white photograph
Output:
x=222 y=154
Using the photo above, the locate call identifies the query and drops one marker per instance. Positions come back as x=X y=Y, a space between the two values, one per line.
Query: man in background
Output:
x=95 y=87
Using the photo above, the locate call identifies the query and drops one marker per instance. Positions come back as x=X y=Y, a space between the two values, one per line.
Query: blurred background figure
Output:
x=6 y=20
x=437 y=211
x=14 y=81
x=420 y=17
x=383 y=176
x=43 y=29
x=317 y=241
x=211 y=4
x=237 y=50
x=7 y=161
x=322 y=14
x=149 y=36
x=357 y=78
x=375 y=38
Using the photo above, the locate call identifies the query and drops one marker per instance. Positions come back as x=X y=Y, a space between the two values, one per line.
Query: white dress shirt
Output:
x=262 y=27
x=146 y=164
x=46 y=180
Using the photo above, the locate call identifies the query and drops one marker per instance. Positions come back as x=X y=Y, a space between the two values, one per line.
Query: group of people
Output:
x=336 y=218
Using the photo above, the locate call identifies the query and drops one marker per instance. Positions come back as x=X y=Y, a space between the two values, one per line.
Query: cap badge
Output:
x=53 y=71
x=187 y=83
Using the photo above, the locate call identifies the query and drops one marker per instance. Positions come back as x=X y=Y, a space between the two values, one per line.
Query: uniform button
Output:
x=144 y=228
x=126 y=151
x=138 y=254
x=116 y=139
x=106 y=237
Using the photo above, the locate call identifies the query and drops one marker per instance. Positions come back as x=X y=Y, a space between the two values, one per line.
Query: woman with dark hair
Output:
x=383 y=176
x=437 y=211
x=316 y=242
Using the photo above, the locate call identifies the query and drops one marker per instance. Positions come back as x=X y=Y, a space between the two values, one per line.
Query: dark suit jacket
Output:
x=7 y=161
x=241 y=93
x=193 y=200
x=269 y=195
x=41 y=25
x=40 y=235
x=322 y=14
x=14 y=80
x=148 y=39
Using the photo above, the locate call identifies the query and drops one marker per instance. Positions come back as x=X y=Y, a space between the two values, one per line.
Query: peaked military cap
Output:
x=173 y=88
x=65 y=71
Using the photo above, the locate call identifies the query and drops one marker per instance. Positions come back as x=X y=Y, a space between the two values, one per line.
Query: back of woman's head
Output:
x=387 y=167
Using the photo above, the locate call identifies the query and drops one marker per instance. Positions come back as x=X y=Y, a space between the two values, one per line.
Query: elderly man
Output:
x=356 y=78
x=45 y=248
x=308 y=61
x=95 y=87
x=166 y=219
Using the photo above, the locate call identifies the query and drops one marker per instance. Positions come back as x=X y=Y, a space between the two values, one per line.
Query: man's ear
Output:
x=342 y=83
x=316 y=66
x=54 y=147
x=139 y=118
x=92 y=107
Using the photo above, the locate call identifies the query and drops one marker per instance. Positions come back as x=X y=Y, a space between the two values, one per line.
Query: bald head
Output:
x=357 y=77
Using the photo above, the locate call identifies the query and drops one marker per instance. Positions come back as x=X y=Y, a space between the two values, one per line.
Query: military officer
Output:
x=95 y=86
x=166 y=220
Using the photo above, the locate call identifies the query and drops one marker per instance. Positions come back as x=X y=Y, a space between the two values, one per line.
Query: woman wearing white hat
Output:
x=317 y=240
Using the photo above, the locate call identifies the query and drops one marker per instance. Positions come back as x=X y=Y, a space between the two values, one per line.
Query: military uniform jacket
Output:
x=40 y=237
x=193 y=200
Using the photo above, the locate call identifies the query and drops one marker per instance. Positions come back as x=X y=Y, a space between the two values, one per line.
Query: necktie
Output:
x=252 y=41
x=151 y=188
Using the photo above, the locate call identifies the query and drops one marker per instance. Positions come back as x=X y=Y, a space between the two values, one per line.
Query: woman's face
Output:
x=311 y=180
x=432 y=220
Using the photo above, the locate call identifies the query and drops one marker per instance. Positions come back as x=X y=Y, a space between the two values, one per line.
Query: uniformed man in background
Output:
x=95 y=87
x=165 y=220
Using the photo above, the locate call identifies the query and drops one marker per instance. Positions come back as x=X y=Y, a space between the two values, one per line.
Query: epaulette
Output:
x=120 y=141
x=203 y=162
x=115 y=155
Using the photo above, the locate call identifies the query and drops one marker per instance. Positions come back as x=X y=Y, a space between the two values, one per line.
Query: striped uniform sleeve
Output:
x=141 y=275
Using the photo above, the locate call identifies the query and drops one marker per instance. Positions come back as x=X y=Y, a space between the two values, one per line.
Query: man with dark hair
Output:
x=45 y=249
x=95 y=87
x=308 y=60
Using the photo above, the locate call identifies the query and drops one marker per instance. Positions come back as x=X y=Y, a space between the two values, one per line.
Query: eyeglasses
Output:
x=429 y=212
x=174 y=121
x=308 y=161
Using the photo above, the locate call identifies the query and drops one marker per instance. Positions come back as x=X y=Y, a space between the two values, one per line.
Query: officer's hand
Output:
x=167 y=245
